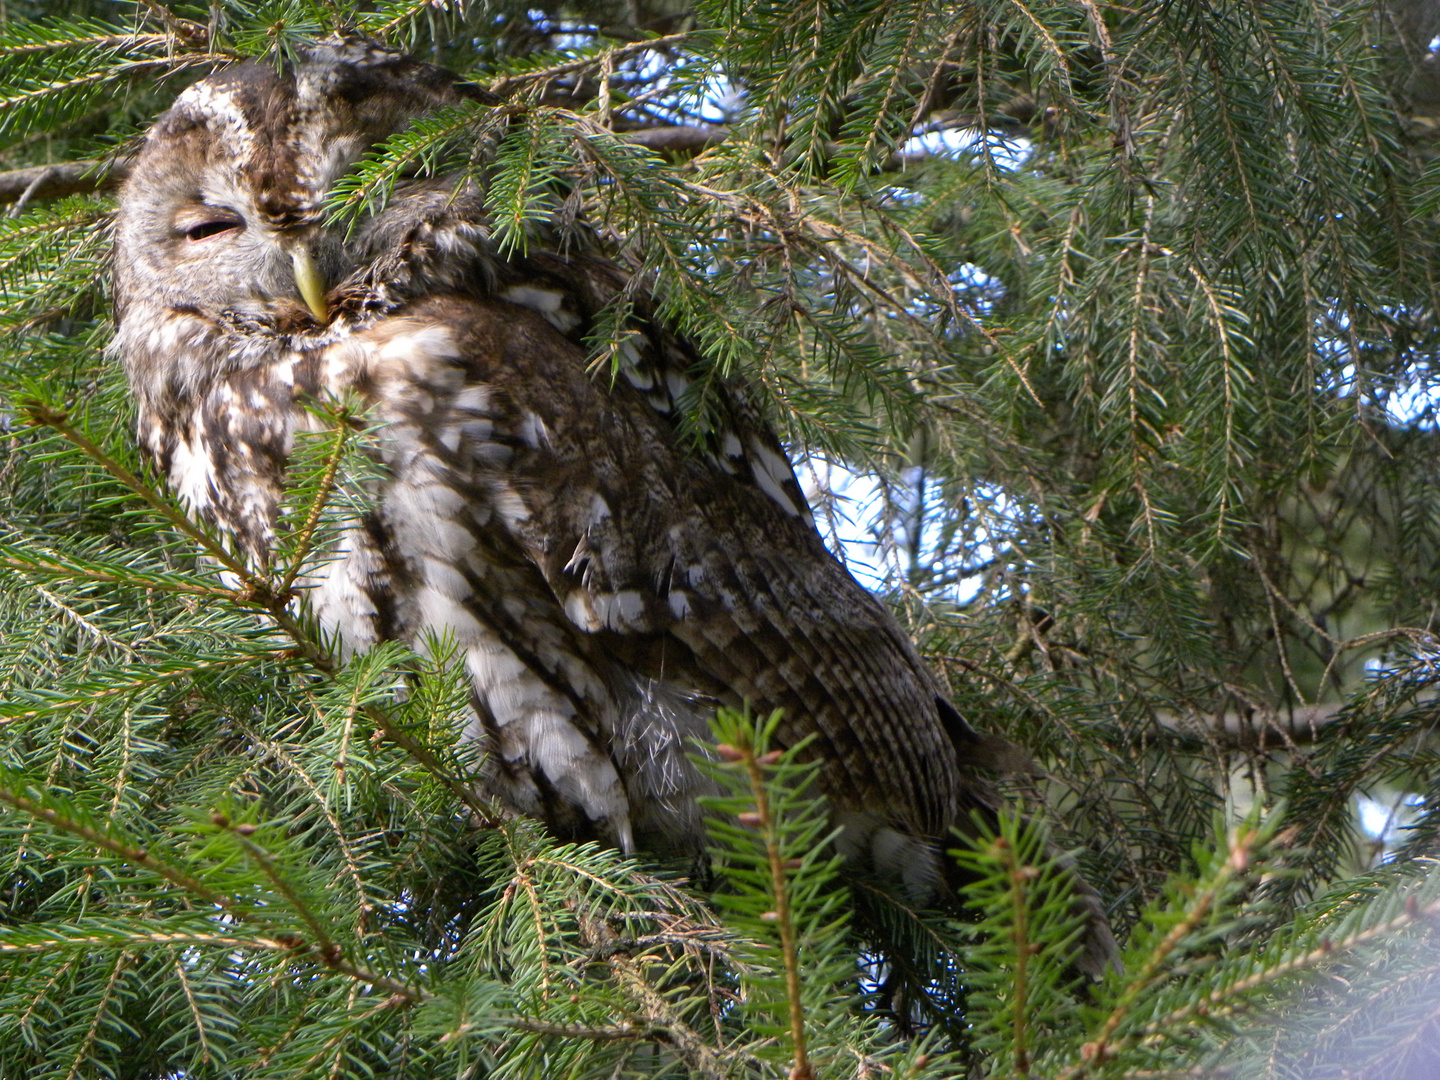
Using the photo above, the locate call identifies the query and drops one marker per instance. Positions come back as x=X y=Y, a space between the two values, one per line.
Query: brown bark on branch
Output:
x=678 y=139
x=61 y=179
x=1256 y=731
x=55 y=181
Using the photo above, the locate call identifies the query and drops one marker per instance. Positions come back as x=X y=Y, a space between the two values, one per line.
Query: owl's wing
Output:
x=575 y=289
x=687 y=571
x=597 y=545
x=712 y=416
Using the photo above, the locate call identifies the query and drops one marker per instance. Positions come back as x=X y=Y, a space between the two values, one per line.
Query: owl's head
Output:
x=222 y=215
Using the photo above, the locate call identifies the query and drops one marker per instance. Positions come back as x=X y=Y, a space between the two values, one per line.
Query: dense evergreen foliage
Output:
x=1130 y=312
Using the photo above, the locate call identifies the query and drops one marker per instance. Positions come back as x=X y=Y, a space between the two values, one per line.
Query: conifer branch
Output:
x=187 y=31
x=548 y=73
x=789 y=947
x=87 y=41
x=324 y=490
x=337 y=829
x=1020 y=876
x=666 y=1024
x=55 y=564
x=45 y=415
x=1103 y=1047
x=121 y=849
x=129 y=68
x=83 y=1047
x=276 y=603
x=1231 y=997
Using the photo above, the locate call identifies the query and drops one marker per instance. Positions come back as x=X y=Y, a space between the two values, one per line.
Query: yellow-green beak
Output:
x=312 y=284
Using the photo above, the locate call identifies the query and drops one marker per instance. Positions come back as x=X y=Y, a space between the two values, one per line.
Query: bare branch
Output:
x=678 y=139
x=1254 y=730
x=61 y=179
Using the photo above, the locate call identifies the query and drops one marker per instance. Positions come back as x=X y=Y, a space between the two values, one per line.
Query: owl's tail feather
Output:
x=929 y=876
x=1098 y=951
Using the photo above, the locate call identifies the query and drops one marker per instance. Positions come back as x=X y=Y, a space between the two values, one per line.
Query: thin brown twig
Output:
x=544 y=75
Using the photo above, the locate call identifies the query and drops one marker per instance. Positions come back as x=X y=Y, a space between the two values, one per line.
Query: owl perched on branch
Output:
x=608 y=569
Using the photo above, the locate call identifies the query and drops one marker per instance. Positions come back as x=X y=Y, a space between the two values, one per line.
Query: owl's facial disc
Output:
x=223 y=213
x=227 y=255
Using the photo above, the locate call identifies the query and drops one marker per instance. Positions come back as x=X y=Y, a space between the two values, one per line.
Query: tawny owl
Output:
x=606 y=580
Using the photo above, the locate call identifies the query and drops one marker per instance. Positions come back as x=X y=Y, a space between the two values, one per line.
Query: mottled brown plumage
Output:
x=606 y=580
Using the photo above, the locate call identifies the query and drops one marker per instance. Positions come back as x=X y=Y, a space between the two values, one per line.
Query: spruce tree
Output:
x=1107 y=333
